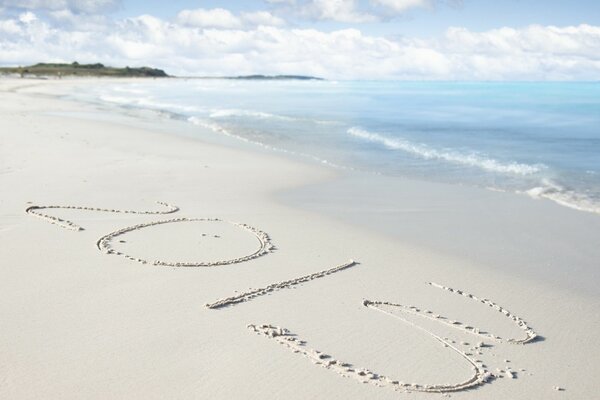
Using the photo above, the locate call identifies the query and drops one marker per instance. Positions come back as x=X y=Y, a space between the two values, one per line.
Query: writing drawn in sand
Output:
x=480 y=372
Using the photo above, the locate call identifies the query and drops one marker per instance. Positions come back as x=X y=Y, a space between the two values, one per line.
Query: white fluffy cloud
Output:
x=401 y=6
x=262 y=18
x=79 y=6
x=214 y=18
x=243 y=44
x=336 y=10
x=221 y=18
x=354 y=11
x=9 y=27
x=27 y=17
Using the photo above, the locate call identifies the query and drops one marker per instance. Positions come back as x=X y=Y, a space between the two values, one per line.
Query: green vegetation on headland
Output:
x=76 y=69
x=100 y=70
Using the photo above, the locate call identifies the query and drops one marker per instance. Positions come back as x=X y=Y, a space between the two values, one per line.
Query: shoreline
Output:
x=207 y=134
x=547 y=186
x=102 y=303
x=465 y=222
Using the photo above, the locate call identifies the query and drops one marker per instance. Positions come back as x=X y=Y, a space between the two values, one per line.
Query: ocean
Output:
x=540 y=139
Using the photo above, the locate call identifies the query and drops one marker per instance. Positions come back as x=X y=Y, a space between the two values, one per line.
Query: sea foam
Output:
x=227 y=113
x=312 y=121
x=565 y=197
x=214 y=127
x=429 y=153
x=223 y=113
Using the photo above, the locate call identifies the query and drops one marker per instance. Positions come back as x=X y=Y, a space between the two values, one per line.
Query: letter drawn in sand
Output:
x=284 y=337
x=277 y=286
x=530 y=335
x=105 y=242
x=480 y=375
x=264 y=243
x=34 y=210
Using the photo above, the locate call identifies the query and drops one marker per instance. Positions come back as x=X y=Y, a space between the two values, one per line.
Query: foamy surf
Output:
x=252 y=114
x=565 y=197
x=429 y=153
x=214 y=127
x=228 y=113
x=474 y=144
x=148 y=103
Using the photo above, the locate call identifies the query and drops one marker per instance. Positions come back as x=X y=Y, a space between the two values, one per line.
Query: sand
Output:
x=95 y=304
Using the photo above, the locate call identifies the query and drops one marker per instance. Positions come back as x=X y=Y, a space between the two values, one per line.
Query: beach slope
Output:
x=140 y=262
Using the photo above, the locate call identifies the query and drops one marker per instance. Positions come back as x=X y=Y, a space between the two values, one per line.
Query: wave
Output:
x=234 y=112
x=565 y=197
x=429 y=153
x=207 y=124
x=227 y=113
x=147 y=102
x=129 y=90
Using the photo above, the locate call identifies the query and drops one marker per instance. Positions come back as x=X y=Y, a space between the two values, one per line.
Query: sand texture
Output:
x=106 y=294
x=251 y=293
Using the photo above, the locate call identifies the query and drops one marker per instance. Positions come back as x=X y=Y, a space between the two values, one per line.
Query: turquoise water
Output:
x=542 y=139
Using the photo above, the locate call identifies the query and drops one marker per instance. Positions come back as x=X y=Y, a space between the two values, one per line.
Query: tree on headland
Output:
x=75 y=68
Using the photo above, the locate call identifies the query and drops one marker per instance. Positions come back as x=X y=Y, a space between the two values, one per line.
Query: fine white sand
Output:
x=239 y=285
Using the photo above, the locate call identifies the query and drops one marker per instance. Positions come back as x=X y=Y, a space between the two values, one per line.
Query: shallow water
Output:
x=542 y=139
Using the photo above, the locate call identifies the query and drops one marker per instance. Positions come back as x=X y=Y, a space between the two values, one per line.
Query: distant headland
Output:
x=101 y=70
x=276 y=77
x=76 y=69
x=259 y=77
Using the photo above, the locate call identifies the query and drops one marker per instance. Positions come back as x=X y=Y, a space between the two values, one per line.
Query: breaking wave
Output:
x=147 y=102
x=212 y=126
x=227 y=113
x=429 y=153
x=234 y=112
x=565 y=197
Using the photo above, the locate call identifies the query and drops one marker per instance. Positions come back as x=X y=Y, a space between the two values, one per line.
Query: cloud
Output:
x=214 y=18
x=221 y=18
x=27 y=17
x=534 y=52
x=353 y=11
x=80 y=22
x=243 y=44
x=77 y=6
x=400 y=6
x=336 y=10
x=9 y=27
x=262 y=18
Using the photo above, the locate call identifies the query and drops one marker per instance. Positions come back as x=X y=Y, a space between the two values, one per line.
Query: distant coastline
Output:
x=100 y=70
x=259 y=77
x=76 y=69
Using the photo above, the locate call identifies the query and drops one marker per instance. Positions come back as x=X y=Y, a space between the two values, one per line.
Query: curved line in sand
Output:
x=250 y=294
x=287 y=339
x=66 y=224
x=265 y=245
x=530 y=334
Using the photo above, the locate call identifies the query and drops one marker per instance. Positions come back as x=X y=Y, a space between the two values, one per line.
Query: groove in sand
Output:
x=63 y=223
x=480 y=375
x=284 y=337
x=265 y=245
x=530 y=334
x=246 y=296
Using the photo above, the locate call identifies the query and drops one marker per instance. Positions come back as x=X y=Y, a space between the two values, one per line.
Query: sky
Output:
x=335 y=39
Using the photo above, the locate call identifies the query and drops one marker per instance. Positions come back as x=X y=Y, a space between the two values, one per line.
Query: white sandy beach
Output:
x=512 y=311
